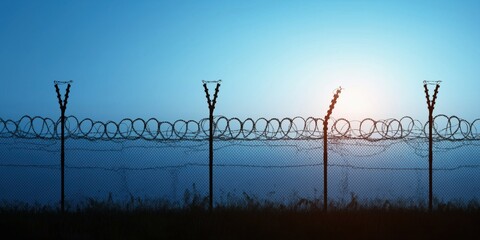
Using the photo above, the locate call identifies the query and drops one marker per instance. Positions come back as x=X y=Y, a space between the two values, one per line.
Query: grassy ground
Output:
x=245 y=217
x=236 y=223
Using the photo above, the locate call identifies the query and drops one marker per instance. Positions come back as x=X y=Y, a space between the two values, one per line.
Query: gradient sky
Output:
x=276 y=58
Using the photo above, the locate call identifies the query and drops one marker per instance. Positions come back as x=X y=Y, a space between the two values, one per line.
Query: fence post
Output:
x=325 y=145
x=211 y=108
x=63 y=107
x=431 y=106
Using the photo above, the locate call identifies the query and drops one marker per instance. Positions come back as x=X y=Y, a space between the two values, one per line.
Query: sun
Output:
x=361 y=96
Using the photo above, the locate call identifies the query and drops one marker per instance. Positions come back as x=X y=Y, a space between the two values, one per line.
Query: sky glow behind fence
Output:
x=276 y=58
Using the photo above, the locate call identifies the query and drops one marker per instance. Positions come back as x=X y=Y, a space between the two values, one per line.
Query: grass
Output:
x=244 y=217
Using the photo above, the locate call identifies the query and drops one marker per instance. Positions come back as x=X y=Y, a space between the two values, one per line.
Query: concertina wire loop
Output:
x=450 y=128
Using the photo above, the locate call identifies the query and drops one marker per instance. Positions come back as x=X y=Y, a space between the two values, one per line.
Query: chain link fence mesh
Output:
x=287 y=171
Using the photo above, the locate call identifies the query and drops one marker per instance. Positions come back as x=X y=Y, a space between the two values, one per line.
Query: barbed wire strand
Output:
x=186 y=165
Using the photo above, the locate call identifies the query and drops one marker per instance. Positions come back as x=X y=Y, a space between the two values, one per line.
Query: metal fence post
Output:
x=325 y=145
x=63 y=107
x=431 y=106
x=211 y=108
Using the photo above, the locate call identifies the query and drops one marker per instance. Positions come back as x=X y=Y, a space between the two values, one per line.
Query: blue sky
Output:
x=276 y=58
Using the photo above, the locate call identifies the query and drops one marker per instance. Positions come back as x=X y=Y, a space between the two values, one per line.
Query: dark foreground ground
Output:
x=240 y=224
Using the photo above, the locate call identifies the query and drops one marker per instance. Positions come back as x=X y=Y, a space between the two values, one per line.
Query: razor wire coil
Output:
x=445 y=127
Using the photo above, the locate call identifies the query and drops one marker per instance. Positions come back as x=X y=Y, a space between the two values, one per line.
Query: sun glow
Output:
x=362 y=95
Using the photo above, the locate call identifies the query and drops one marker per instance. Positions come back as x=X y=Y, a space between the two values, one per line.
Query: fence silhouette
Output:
x=243 y=148
x=309 y=135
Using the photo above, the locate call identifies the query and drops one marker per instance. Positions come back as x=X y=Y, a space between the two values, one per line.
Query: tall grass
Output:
x=240 y=217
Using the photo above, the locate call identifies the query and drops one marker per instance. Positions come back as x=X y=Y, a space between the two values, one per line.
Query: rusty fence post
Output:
x=325 y=148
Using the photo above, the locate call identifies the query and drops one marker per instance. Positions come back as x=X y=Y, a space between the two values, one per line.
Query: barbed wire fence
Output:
x=451 y=128
x=139 y=148
x=302 y=135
